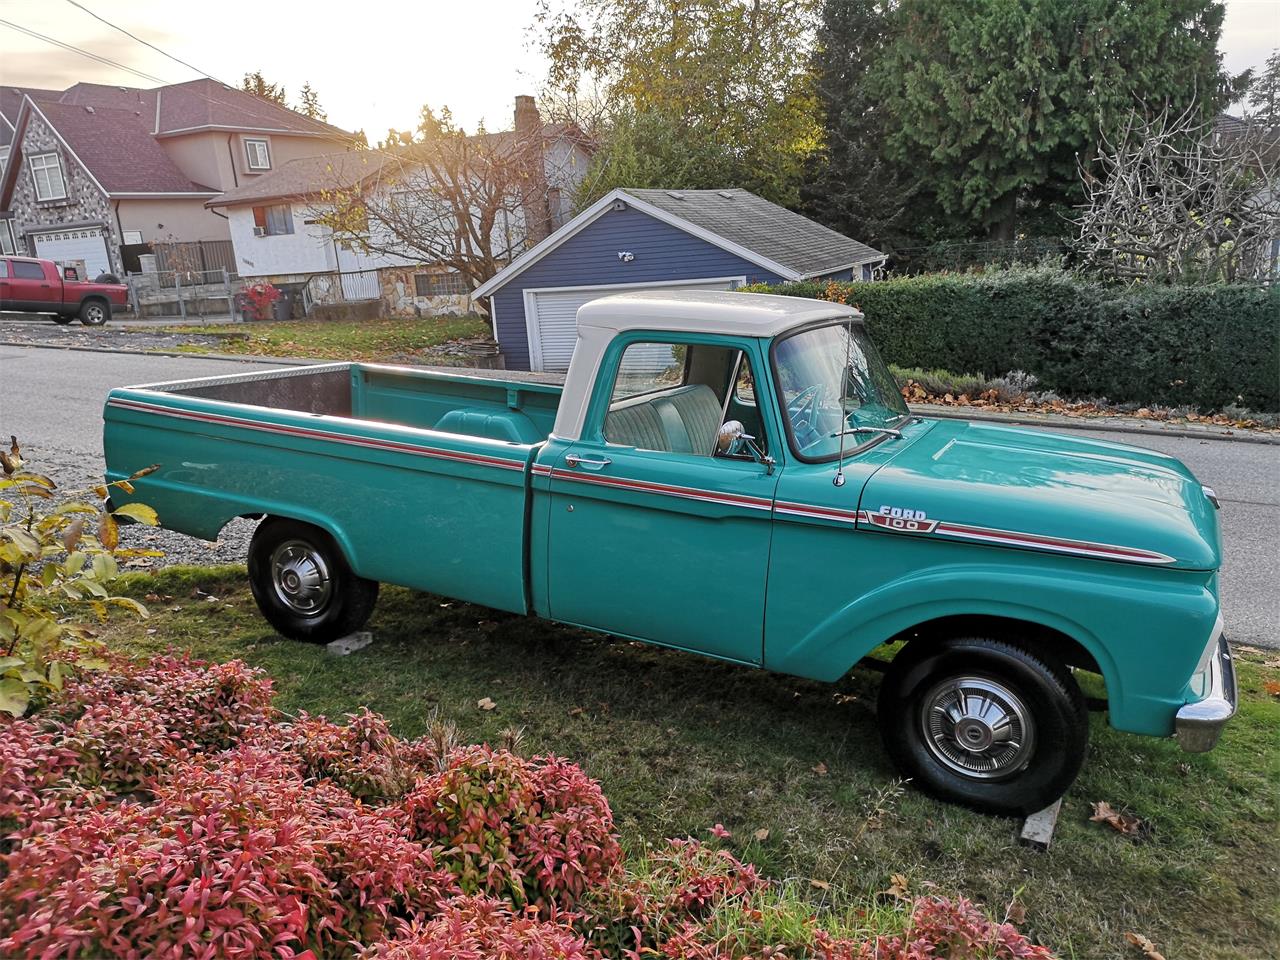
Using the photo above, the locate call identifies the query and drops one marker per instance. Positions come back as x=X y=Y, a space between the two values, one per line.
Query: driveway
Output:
x=52 y=400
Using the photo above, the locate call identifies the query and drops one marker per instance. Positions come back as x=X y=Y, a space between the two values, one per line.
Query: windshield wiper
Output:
x=887 y=431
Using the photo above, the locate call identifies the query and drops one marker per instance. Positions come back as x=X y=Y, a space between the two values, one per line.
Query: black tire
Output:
x=62 y=319
x=301 y=608
x=95 y=312
x=1034 y=699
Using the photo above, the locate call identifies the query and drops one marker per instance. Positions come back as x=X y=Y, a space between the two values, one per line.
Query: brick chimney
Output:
x=528 y=134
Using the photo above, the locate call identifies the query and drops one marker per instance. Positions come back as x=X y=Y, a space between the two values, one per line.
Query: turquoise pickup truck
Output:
x=735 y=475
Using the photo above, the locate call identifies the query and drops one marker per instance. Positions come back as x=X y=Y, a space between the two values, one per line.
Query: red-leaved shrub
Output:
x=362 y=756
x=954 y=929
x=34 y=772
x=236 y=857
x=532 y=831
x=478 y=928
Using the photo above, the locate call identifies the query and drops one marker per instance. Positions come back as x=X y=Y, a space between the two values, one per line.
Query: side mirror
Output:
x=734 y=441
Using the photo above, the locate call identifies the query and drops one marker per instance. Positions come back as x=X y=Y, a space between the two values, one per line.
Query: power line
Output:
x=84 y=53
x=145 y=43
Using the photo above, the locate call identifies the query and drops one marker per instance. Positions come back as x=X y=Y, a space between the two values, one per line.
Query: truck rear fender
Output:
x=1139 y=699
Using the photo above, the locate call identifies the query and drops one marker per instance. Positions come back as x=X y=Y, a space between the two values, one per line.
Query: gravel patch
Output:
x=104 y=338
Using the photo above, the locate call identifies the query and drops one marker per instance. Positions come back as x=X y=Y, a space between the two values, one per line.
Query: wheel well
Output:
x=1064 y=648
x=95 y=298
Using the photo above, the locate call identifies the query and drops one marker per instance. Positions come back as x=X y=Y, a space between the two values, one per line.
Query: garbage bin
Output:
x=282 y=309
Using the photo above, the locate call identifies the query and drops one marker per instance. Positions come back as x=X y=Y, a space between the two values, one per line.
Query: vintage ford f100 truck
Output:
x=736 y=475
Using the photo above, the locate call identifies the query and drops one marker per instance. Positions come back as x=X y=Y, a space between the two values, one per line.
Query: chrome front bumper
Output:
x=1198 y=725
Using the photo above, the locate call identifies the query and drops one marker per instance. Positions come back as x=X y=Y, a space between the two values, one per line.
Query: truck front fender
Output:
x=1126 y=624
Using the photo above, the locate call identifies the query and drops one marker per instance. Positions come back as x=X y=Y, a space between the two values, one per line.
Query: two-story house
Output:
x=97 y=174
x=279 y=231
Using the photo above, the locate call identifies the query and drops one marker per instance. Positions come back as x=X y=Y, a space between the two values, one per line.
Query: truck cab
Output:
x=734 y=475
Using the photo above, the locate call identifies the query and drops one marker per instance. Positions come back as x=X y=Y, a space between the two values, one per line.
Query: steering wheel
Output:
x=802 y=411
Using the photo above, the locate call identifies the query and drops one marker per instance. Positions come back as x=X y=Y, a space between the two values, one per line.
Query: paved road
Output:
x=53 y=400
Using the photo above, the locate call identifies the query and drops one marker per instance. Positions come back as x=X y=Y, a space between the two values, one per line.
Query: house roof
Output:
x=772 y=237
x=307 y=176
x=11 y=103
x=118 y=149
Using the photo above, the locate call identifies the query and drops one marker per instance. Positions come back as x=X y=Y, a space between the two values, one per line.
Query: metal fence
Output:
x=183 y=293
x=355 y=286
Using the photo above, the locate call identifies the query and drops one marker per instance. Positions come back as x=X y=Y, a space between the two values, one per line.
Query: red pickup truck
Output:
x=28 y=285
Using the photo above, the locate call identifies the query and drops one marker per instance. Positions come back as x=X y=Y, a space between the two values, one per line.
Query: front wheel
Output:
x=303 y=584
x=984 y=723
x=94 y=313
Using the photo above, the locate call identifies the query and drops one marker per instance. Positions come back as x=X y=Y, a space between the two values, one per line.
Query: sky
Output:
x=373 y=65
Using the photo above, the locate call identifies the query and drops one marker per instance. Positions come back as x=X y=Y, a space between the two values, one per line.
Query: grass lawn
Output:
x=681 y=743
x=386 y=340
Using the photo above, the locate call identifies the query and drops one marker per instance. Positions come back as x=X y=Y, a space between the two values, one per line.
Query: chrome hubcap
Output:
x=977 y=727
x=95 y=314
x=301 y=578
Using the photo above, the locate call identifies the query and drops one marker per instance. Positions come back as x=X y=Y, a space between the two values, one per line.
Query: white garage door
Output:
x=87 y=246
x=552 y=317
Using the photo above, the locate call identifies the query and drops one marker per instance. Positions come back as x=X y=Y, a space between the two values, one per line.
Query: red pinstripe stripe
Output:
x=310 y=434
x=686 y=493
x=1053 y=543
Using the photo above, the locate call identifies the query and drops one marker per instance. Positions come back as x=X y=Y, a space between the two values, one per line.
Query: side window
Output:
x=4 y=269
x=26 y=270
x=744 y=387
x=675 y=398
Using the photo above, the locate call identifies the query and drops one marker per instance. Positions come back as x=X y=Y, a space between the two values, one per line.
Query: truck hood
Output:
x=1033 y=490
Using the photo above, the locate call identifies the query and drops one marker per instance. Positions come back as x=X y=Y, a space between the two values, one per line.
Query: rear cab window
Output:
x=682 y=398
x=27 y=270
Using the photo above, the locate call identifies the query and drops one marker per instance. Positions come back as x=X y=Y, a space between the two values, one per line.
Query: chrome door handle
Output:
x=589 y=463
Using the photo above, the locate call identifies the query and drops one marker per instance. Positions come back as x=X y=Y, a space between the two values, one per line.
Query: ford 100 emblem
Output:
x=903 y=520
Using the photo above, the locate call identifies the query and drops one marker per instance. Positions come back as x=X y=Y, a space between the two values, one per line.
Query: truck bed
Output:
x=421 y=476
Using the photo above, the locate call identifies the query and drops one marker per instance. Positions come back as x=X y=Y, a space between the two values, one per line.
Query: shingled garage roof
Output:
x=118 y=149
x=307 y=177
x=741 y=217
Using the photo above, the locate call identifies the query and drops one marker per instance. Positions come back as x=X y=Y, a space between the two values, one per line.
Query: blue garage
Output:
x=651 y=239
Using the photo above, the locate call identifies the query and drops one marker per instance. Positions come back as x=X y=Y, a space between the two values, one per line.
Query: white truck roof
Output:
x=688 y=311
x=707 y=311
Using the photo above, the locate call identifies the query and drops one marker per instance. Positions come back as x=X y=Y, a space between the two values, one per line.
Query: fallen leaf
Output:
x=484 y=703
x=576 y=712
x=897 y=888
x=820 y=884
x=1272 y=687
x=762 y=834
x=820 y=769
x=1125 y=823
x=1015 y=913
x=1148 y=948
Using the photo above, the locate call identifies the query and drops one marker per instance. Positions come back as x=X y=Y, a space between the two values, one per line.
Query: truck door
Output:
x=31 y=289
x=654 y=533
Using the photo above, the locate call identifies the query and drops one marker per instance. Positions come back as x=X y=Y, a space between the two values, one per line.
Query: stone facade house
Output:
x=96 y=175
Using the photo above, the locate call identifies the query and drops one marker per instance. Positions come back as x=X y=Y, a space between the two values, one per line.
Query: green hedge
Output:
x=1205 y=346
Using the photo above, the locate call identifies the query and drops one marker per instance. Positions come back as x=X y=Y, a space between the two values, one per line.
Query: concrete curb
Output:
x=1138 y=428
x=1132 y=427
x=238 y=358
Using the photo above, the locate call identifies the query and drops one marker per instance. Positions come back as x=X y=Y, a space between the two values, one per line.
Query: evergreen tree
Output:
x=1264 y=93
x=256 y=84
x=309 y=104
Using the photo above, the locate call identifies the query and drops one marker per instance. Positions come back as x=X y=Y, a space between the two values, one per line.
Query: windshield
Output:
x=831 y=379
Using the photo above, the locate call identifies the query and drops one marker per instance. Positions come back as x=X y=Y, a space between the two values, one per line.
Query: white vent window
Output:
x=258 y=154
x=46 y=171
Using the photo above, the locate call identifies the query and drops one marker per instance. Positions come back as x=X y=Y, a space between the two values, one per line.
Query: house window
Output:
x=258 y=155
x=8 y=244
x=273 y=221
x=46 y=171
x=439 y=284
x=4 y=155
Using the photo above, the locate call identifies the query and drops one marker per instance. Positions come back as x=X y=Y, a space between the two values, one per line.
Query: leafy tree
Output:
x=1264 y=92
x=996 y=101
x=257 y=84
x=309 y=104
x=729 y=79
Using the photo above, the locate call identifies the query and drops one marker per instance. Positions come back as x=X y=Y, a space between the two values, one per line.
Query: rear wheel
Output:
x=94 y=313
x=303 y=584
x=984 y=723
